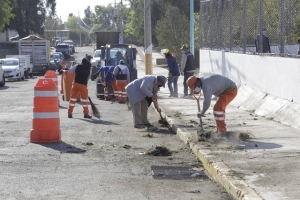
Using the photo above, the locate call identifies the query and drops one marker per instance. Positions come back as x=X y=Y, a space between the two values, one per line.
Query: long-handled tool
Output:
x=200 y=133
x=96 y=112
x=162 y=120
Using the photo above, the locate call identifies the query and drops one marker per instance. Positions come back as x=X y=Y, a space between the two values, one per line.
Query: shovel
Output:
x=200 y=133
x=162 y=120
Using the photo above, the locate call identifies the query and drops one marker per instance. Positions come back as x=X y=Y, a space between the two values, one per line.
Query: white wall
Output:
x=277 y=76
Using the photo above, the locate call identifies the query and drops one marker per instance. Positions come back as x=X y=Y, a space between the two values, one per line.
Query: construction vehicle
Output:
x=39 y=51
x=112 y=52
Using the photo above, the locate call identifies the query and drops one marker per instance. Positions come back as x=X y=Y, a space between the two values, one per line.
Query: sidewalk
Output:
x=266 y=166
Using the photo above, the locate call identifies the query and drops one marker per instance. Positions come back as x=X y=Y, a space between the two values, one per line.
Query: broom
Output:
x=96 y=112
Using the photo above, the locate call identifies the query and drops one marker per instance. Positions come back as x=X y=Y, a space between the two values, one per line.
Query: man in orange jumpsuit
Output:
x=82 y=75
x=121 y=72
x=219 y=86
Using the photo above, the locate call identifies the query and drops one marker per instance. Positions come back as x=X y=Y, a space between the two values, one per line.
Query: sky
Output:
x=64 y=7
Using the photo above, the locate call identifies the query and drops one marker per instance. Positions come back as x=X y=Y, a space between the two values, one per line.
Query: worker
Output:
x=140 y=94
x=121 y=72
x=187 y=68
x=108 y=80
x=219 y=86
x=82 y=75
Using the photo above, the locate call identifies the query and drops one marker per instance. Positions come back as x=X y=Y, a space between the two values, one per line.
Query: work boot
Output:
x=70 y=116
x=87 y=116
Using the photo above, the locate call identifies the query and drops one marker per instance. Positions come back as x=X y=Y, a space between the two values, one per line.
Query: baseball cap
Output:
x=185 y=46
x=162 y=79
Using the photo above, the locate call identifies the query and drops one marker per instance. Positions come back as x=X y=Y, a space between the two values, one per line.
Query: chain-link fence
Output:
x=233 y=25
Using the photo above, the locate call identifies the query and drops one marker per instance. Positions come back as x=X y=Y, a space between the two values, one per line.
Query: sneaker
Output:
x=175 y=95
x=185 y=96
x=87 y=116
x=139 y=126
x=70 y=116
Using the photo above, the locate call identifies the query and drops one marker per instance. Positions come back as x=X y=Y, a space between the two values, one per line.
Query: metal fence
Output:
x=233 y=25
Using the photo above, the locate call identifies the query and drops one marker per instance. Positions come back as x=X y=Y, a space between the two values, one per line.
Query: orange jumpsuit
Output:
x=82 y=74
x=221 y=87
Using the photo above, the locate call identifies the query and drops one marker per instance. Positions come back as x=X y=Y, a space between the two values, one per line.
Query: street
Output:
x=96 y=159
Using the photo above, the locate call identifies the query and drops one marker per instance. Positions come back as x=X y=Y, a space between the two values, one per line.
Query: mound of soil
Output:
x=159 y=151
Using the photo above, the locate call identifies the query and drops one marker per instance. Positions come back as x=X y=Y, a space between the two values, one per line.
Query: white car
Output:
x=96 y=60
x=2 y=79
x=13 y=70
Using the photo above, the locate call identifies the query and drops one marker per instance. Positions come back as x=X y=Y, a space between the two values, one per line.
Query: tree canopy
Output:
x=5 y=14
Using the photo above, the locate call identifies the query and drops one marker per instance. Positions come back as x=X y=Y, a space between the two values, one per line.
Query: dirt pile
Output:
x=159 y=151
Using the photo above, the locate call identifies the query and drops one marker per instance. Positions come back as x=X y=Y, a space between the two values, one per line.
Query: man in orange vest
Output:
x=121 y=72
x=82 y=75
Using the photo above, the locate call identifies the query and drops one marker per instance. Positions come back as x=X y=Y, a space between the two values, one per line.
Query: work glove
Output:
x=170 y=75
x=199 y=115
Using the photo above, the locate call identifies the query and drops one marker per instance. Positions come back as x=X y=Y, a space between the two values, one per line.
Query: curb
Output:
x=219 y=171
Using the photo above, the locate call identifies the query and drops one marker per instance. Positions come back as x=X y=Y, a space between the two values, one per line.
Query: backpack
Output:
x=121 y=76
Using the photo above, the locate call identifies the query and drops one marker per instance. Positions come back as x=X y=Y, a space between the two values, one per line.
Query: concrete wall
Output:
x=11 y=34
x=277 y=76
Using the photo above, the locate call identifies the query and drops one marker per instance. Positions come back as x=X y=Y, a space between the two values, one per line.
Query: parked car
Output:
x=71 y=43
x=62 y=57
x=54 y=61
x=64 y=48
x=2 y=79
x=13 y=70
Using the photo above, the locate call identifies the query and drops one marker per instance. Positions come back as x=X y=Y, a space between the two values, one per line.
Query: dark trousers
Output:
x=185 y=86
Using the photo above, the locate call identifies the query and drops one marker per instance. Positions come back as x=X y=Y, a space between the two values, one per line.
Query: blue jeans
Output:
x=173 y=80
x=185 y=86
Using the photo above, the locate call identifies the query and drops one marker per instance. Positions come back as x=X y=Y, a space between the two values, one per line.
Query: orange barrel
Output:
x=52 y=75
x=67 y=85
x=46 y=122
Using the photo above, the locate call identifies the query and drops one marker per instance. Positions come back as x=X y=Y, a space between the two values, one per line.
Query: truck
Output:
x=39 y=51
x=110 y=52
x=25 y=61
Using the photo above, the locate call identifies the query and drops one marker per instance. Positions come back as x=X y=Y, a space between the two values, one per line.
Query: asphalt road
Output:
x=96 y=159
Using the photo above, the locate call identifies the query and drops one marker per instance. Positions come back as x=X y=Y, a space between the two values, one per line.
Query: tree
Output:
x=26 y=19
x=5 y=14
x=171 y=35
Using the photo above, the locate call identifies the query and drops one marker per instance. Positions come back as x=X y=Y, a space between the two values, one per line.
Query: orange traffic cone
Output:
x=46 y=122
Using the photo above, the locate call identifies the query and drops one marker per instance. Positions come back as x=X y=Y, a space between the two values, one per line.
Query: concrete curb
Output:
x=219 y=171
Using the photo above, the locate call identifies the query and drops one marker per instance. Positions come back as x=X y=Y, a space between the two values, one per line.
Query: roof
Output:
x=32 y=37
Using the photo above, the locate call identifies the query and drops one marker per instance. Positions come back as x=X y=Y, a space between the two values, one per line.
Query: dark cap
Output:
x=162 y=79
x=86 y=62
x=185 y=46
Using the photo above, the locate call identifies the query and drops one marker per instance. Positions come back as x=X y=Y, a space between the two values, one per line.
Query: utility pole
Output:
x=148 y=37
x=79 y=29
x=192 y=21
x=121 y=25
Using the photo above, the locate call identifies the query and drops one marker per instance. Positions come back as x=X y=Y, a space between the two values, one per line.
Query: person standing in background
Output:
x=187 y=67
x=265 y=42
x=173 y=73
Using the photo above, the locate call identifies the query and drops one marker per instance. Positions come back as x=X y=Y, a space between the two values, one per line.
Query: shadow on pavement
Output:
x=99 y=121
x=64 y=147
x=260 y=145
